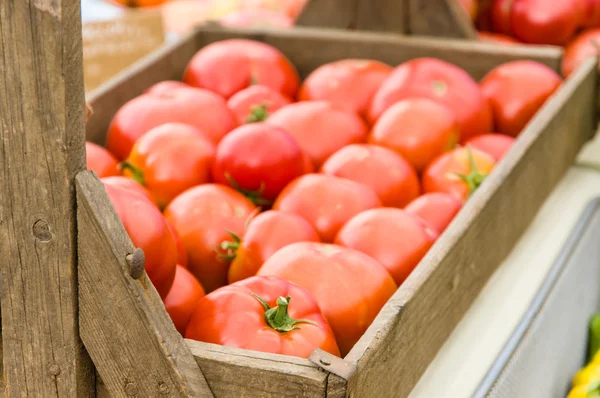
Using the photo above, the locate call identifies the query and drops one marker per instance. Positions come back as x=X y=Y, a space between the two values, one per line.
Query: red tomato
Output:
x=267 y=233
x=591 y=17
x=265 y=314
x=395 y=238
x=165 y=87
x=140 y=3
x=149 y=231
x=348 y=84
x=500 y=12
x=326 y=202
x=100 y=160
x=183 y=297
x=204 y=216
x=258 y=160
x=543 y=22
x=169 y=159
x=458 y=172
x=437 y=209
x=496 y=145
x=199 y=108
x=256 y=103
x=584 y=46
x=293 y=8
x=442 y=82
x=319 y=128
x=349 y=286
x=129 y=184
x=419 y=129
x=391 y=177
x=228 y=66
x=256 y=18
x=497 y=38
x=182 y=259
x=516 y=91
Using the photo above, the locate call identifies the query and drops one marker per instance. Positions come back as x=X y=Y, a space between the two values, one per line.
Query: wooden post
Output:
x=42 y=147
x=441 y=18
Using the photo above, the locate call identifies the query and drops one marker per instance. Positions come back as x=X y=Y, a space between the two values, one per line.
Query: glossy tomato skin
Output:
x=391 y=177
x=203 y=215
x=171 y=158
x=496 y=145
x=256 y=18
x=516 y=91
x=442 y=82
x=437 y=209
x=579 y=50
x=183 y=297
x=500 y=13
x=393 y=237
x=260 y=158
x=497 y=38
x=419 y=129
x=101 y=160
x=245 y=104
x=348 y=84
x=128 y=183
x=199 y=108
x=326 y=202
x=543 y=22
x=441 y=174
x=229 y=66
x=309 y=122
x=233 y=316
x=349 y=286
x=182 y=259
x=149 y=231
x=591 y=18
x=165 y=87
x=267 y=233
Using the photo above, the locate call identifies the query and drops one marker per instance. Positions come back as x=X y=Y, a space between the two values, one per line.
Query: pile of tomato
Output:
x=300 y=207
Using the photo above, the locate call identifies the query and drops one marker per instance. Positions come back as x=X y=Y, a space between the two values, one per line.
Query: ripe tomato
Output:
x=169 y=159
x=419 y=129
x=183 y=297
x=543 y=22
x=265 y=314
x=497 y=38
x=149 y=231
x=256 y=18
x=256 y=103
x=258 y=160
x=395 y=238
x=319 y=128
x=326 y=202
x=442 y=82
x=516 y=91
x=391 y=177
x=496 y=145
x=267 y=233
x=293 y=8
x=204 y=216
x=349 y=286
x=182 y=259
x=100 y=160
x=165 y=87
x=584 y=46
x=348 y=84
x=471 y=7
x=437 y=209
x=129 y=184
x=140 y=3
x=228 y=66
x=591 y=18
x=500 y=12
x=458 y=172
x=199 y=108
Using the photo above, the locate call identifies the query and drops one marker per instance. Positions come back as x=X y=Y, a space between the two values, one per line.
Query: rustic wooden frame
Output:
x=414 y=324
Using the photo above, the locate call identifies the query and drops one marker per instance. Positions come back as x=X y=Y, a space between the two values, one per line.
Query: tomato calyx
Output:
x=475 y=178
x=278 y=318
x=258 y=113
x=254 y=196
x=136 y=174
x=230 y=248
x=593 y=390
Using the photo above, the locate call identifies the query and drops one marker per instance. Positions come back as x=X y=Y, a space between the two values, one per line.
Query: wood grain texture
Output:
x=124 y=325
x=390 y=16
x=414 y=324
x=237 y=373
x=338 y=14
x=42 y=147
x=441 y=18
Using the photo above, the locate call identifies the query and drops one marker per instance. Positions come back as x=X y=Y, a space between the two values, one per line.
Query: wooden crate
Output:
x=71 y=301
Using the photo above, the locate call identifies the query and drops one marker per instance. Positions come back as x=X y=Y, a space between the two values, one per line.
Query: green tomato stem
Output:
x=137 y=174
x=475 y=178
x=258 y=113
x=278 y=318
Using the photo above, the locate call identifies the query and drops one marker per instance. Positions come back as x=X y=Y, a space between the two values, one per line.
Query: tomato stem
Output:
x=254 y=196
x=475 y=178
x=278 y=318
x=136 y=174
x=258 y=113
x=594 y=390
x=230 y=248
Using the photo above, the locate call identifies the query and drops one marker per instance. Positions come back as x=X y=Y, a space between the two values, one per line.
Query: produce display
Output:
x=280 y=215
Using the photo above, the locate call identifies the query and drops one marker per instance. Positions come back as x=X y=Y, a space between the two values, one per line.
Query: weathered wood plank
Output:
x=124 y=325
x=338 y=14
x=441 y=18
x=237 y=373
x=42 y=147
x=414 y=324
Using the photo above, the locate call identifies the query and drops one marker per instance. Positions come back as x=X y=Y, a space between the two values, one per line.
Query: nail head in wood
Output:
x=163 y=389
x=41 y=231
x=54 y=370
x=332 y=364
x=131 y=389
x=136 y=261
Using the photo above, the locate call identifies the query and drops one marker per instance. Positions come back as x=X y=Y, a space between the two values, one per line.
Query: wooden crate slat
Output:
x=42 y=146
x=418 y=319
x=124 y=325
x=338 y=14
x=442 y=18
